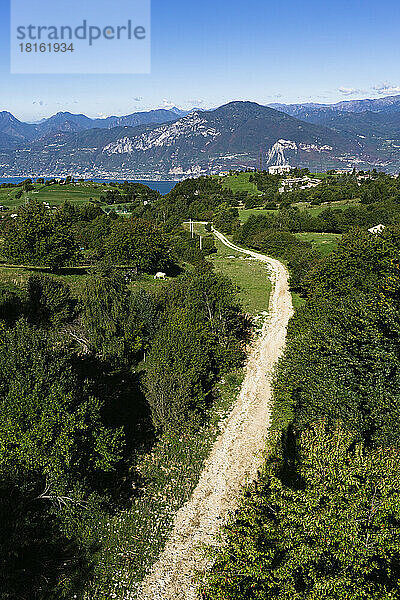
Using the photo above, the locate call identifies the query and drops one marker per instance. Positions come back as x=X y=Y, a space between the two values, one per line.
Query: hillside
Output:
x=91 y=340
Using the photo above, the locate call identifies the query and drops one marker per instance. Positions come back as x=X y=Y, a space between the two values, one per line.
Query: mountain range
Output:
x=173 y=144
x=388 y=104
x=68 y=122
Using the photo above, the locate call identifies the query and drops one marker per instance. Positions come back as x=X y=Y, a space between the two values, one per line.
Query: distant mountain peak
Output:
x=5 y=114
x=177 y=111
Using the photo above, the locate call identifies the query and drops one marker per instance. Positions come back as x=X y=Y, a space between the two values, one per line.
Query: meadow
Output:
x=245 y=213
x=239 y=182
x=325 y=243
x=74 y=277
x=251 y=277
x=317 y=210
x=55 y=194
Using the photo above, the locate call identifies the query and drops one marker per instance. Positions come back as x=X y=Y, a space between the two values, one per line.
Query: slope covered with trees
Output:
x=322 y=521
x=97 y=380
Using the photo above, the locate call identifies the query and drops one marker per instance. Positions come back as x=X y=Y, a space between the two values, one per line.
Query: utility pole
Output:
x=201 y=243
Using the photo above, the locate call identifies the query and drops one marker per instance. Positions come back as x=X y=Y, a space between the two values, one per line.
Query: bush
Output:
x=327 y=530
x=139 y=243
x=278 y=243
x=12 y=303
x=179 y=371
x=200 y=338
x=56 y=457
x=108 y=321
x=37 y=237
x=49 y=301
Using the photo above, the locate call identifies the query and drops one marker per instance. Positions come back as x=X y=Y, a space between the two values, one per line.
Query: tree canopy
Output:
x=38 y=237
x=328 y=531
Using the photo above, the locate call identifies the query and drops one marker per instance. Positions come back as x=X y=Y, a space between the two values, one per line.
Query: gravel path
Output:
x=235 y=457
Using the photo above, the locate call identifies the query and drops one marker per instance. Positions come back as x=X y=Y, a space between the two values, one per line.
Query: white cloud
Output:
x=386 y=88
x=39 y=102
x=349 y=91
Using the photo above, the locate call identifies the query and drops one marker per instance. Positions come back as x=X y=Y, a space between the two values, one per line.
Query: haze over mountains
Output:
x=173 y=144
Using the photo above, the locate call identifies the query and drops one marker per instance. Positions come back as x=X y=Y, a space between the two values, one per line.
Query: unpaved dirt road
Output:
x=234 y=459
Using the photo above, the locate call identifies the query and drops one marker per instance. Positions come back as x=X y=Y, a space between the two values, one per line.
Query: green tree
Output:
x=329 y=531
x=49 y=301
x=226 y=219
x=179 y=371
x=38 y=237
x=139 y=243
x=56 y=456
x=12 y=302
x=109 y=325
x=342 y=360
x=201 y=336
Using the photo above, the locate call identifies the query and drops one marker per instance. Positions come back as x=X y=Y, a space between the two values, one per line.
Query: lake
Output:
x=162 y=186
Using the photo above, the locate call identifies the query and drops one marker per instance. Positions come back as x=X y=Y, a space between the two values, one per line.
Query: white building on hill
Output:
x=279 y=169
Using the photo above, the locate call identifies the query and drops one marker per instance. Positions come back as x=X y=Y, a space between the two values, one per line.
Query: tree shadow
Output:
x=289 y=471
x=36 y=557
x=125 y=407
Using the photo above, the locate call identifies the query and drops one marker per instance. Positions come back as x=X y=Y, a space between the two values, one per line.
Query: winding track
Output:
x=235 y=457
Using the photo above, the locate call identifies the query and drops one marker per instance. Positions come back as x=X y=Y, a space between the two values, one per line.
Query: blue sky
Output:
x=213 y=51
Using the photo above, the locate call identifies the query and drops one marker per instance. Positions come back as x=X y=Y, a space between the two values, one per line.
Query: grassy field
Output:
x=316 y=210
x=298 y=301
x=245 y=213
x=239 y=183
x=250 y=276
x=54 y=194
x=74 y=277
x=17 y=275
x=324 y=242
